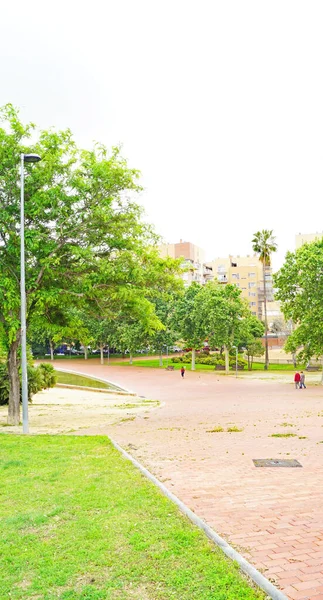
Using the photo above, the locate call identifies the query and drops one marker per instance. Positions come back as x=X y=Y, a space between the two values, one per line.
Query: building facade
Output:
x=193 y=261
x=246 y=272
x=307 y=238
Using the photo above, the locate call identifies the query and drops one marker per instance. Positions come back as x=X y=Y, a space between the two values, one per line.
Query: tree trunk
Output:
x=266 y=322
x=51 y=348
x=226 y=357
x=130 y=358
x=193 y=360
x=14 y=383
x=160 y=359
x=85 y=352
x=294 y=359
x=101 y=354
x=249 y=363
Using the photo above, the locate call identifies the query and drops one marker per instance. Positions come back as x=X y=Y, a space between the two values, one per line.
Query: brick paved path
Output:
x=274 y=516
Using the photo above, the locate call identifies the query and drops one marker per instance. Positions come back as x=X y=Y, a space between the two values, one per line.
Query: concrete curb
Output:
x=93 y=389
x=244 y=565
x=122 y=389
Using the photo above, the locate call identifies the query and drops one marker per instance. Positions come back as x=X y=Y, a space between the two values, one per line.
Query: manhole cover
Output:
x=276 y=462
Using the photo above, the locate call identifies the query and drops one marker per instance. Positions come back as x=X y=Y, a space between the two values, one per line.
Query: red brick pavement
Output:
x=273 y=516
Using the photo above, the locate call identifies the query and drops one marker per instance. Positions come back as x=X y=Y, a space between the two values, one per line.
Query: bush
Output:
x=48 y=374
x=4 y=384
x=39 y=378
x=176 y=359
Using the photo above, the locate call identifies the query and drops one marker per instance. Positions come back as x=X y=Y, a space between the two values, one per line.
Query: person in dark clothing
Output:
x=182 y=371
x=302 y=381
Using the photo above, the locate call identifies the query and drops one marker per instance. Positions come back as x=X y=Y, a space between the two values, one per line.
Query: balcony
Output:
x=222 y=279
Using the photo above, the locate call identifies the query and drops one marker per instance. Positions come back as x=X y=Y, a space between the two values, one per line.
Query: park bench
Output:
x=170 y=368
x=312 y=368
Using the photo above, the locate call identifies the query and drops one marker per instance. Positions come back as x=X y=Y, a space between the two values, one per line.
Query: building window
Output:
x=252 y=303
x=252 y=294
x=251 y=274
x=252 y=284
x=254 y=313
x=235 y=276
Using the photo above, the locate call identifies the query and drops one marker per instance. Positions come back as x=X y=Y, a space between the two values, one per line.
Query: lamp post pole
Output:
x=24 y=379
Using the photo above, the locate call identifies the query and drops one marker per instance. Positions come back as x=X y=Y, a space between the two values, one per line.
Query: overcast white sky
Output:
x=218 y=103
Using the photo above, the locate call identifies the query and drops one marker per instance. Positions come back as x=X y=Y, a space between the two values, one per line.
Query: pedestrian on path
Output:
x=297 y=379
x=302 y=381
x=182 y=371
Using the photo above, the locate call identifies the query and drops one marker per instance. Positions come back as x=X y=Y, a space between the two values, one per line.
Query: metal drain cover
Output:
x=276 y=462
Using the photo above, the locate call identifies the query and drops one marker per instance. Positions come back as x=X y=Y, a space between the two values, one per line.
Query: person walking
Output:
x=302 y=381
x=182 y=371
x=297 y=379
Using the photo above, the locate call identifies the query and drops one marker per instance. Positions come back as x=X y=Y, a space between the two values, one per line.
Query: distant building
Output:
x=246 y=272
x=307 y=238
x=193 y=260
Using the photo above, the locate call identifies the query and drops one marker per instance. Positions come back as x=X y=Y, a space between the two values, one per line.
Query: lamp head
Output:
x=31 y=158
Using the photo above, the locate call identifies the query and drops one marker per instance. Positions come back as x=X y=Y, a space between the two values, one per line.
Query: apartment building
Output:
x=307 y=238
x=193 y=260
x=246 y=272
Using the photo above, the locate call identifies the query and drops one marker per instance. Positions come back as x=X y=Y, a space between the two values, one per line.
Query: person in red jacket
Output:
x=297 y=379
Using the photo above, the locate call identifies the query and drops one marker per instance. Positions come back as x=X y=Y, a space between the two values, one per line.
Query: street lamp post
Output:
x=236 y=360
x=28 y=158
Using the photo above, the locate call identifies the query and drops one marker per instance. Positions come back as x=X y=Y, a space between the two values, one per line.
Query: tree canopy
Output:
x=85 y=239
x=299 y=285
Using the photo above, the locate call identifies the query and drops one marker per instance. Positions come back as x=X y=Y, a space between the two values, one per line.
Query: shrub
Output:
x=176 y=359
x=4 y=384
x=48 y=374
x=35 y=381
x=39 y=378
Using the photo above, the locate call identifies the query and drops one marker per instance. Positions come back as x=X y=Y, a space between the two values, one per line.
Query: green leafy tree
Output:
x=263 y=244
x=254 y=348
x=84 y=235
x=299 y=285
x=218 y=314
x=192 y=332
x=165 y=308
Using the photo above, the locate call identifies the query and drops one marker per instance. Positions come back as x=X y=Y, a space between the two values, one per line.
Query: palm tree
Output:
x=264 y=244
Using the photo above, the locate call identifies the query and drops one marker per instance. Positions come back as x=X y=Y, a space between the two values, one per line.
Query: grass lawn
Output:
x=71 y=379
x=79 y=522
x=154 y=363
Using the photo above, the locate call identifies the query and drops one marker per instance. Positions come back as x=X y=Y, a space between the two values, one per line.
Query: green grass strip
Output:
x=79 y=522
x=81 y=380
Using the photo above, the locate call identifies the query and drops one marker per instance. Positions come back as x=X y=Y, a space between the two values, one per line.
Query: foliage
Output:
x=79 y=494
x=39 y=378
x=189 y=328
x=263 y=244
x=212 y=360
x=86 y=243
x=219 y=313
x=254 y=348
x=299 y=286
x=48 y=374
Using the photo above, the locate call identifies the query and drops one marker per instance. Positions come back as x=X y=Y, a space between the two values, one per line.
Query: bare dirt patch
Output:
x=62 y=410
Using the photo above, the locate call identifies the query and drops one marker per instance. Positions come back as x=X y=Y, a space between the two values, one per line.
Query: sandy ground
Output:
x=61 y=410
